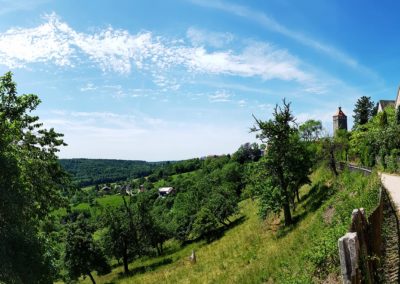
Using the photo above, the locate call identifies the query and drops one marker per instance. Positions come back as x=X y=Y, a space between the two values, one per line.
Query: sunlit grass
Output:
x=257 y=251
x=254 y=251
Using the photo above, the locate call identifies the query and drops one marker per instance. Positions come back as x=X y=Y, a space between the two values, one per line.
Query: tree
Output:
x=150 y=233
x=223 y=203
x=282 y=157
x=310 y=130
x=31 y=181
x=205 y=223
x=121 y=239
x=82 y=253
x=363 y=111
x=247 y=153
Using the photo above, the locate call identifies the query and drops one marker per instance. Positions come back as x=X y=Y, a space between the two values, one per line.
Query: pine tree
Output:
x=363 y=111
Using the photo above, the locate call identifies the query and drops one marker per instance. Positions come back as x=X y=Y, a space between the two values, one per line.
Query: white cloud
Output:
x=242 y=103
x=199 y=37
x=118 y=50
x=88 y=87
x=47 y=42
x=220 y=97
x=258 y=59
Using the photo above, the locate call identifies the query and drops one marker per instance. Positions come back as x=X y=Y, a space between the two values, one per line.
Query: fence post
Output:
x=349 y=248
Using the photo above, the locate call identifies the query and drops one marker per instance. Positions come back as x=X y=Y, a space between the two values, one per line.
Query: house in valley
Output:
x=164 y=191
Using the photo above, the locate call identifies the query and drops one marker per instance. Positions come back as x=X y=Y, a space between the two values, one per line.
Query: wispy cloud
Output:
x=271 y=24
x=106 y=120
x=199 y=37
x=258 y=59
x=88 y=87
x=9 y=6
x=120 y=51
x=242 y=103
x=220 y=97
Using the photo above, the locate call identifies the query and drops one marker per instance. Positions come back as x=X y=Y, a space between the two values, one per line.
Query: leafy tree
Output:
x=150 y=232
x=82 y=253
x=223 y=203
x=383 y=119
x=363 y=111
x=31 y=181
x=121 y=240
x=311 y=130
x=376 y=140
x=162 y=218
x=282 y=155
x=247 y=153
x=205 y=223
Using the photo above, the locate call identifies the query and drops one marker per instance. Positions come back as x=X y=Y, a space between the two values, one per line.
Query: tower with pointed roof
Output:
x=339 y=120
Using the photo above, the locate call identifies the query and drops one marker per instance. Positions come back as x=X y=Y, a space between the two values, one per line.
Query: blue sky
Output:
x=167 y=80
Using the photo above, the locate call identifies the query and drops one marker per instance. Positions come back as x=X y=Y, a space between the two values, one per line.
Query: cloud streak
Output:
x=117 y=50
x=200 y=37
x=273 y=25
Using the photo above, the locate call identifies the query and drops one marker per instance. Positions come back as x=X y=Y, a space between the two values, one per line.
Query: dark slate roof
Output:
x=385 y=103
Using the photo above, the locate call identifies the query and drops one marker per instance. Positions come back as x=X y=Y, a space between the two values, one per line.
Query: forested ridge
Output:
x=86 y=172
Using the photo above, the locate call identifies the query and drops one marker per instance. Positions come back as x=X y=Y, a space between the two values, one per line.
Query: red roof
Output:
x=340 y=112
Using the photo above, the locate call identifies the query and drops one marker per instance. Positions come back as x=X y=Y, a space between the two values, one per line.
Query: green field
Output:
x=103 y=202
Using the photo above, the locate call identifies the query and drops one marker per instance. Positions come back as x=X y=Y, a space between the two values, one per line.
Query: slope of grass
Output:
x=256 y=251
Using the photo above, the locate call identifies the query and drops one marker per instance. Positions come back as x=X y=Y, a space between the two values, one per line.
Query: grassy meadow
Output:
x=257 y=251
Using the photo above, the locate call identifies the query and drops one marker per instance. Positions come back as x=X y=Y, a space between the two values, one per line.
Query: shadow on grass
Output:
x=145 y=268
x=310 y=202
x=220 y=232
x=217 y=233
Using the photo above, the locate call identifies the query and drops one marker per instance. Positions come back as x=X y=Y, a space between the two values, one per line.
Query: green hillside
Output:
x=257 y=251
x=85 y=172
x=94 y=171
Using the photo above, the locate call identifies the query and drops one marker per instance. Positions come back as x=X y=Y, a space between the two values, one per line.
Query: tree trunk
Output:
x=158 y=250
x=286 y=201
x=286 y=211
x=125 y=260
x=297 y=194
x=332 y=162
x=91 y=278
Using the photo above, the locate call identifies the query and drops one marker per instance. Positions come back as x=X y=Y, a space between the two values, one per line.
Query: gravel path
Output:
x=392 y=184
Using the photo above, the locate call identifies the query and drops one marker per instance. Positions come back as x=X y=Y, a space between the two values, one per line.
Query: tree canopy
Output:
x=310 y=130
x=31 y=183
x=286 y=161
x=363 y=111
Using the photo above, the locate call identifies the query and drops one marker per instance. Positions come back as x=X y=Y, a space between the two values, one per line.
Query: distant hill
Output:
x=87 y=172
